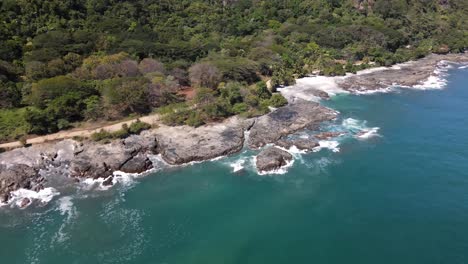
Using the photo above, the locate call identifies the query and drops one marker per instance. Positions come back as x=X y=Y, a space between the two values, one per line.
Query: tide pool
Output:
x=397 y=195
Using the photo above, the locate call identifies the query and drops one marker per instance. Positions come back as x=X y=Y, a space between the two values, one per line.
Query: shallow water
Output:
x=397 y=197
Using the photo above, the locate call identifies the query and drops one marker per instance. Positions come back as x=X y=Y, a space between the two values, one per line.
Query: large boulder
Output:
x=272 y=158
x=287 y=120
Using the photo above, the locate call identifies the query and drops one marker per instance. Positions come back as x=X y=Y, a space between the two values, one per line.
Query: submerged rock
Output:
x=327 y=135
x=287 y=120
x=272 y=158
x=301 y=144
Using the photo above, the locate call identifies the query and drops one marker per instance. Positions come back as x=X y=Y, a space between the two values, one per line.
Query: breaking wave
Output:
x=22 y=198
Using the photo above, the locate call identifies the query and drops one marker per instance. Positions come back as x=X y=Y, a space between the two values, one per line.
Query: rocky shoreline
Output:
x=21 y=168
x=407 y=74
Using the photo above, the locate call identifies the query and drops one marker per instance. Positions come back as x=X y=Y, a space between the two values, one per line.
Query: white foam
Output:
x=120 y=177
x=304 y=87
x=44 y=196
x=328 y=144
x=66 y=208
x=238 y=165
x=373 y=132
x=463 y=67
x=360 y=128
x=437 y=79
x=381 y=90
x=433 y=82
x=353 y=124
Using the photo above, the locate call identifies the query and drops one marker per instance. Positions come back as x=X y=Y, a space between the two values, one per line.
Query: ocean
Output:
x=396 y=194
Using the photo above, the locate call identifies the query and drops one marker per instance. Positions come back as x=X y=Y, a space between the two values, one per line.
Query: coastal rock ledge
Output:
x=272 y=158
x=287 y=120
x=183 y=144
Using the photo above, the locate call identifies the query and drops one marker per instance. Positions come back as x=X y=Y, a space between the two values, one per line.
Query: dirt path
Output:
x=151 y=119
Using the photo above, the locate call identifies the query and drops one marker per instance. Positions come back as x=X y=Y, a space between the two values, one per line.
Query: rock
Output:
x=38 y=156
x=301 y=144
x=4 y=198
x=25 y=202
x=108 y=181
x=287 y=120
x=100 y=161
x=184 y=144
x=272 y=158
x=137 y=164
x=327 y=135
x=406 y=75
x=15 y=177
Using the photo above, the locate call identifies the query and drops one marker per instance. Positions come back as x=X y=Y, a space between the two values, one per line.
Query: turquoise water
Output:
x=398 y=198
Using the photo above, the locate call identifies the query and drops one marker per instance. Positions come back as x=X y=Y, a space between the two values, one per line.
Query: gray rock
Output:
x=137 y=164
x=183 y=144
x=287 y=120
x=100 y=161
x=272 y=158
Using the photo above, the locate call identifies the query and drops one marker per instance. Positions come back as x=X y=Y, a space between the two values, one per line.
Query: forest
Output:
x=66 y=62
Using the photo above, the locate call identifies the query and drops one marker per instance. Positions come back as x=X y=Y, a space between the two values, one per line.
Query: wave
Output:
x=22 y=198
x=389 y=89
x=238 y=165
x=437 y=80
x=307 y=88
x=328 y=144
x=360 y=129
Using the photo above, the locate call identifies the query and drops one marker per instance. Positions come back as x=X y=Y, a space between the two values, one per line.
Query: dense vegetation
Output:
x=66 y=61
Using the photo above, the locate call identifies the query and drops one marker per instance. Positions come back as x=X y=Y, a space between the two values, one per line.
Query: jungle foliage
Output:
x=66 y=61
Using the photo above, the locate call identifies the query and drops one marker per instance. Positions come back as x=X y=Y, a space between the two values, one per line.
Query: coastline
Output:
x=27 y=168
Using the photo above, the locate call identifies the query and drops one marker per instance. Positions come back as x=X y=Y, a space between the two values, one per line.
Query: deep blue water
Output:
x=398 y=198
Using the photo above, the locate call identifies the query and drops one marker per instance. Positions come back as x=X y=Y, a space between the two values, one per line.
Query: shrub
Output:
x=138 y=126
x=23 y=140
x=121 y=133
x=240 y=108
x=194 y=120
x=101 y=135
x=277 y=100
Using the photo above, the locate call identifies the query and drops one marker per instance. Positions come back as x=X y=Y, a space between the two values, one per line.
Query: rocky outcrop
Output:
x=18 y=176
x=287 y=120
x=272 y=158
x=128 y=155
x=301 y=144
x=20 y=168
x=178 y=145
x=406 y=74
